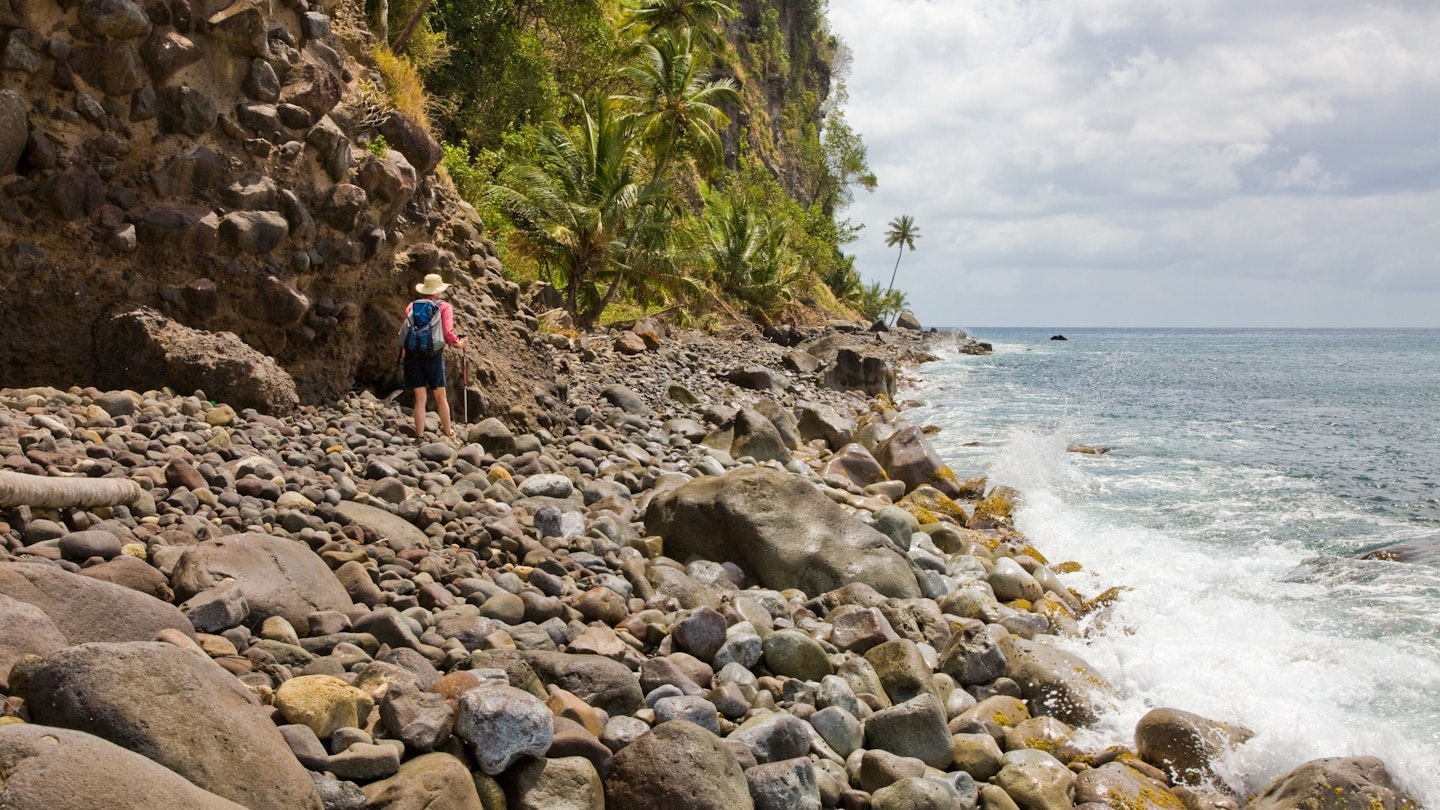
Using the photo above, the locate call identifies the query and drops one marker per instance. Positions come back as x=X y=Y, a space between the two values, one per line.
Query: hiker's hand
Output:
x=460 y=341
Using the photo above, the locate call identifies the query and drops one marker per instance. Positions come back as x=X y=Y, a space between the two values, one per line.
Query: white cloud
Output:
x=1119 y=154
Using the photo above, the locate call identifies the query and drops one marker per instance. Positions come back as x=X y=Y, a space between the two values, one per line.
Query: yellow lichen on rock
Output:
x=1105 y=599
x=930 y=505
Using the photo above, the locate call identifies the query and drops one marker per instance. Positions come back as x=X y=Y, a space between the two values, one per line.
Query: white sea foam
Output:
x=1210 y=627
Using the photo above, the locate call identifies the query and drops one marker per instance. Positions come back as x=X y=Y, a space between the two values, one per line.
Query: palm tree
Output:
x=875 y=305
x=748 y=254
x=585 y=217
x=705 y=16
x=902 y=232
x=676 y=101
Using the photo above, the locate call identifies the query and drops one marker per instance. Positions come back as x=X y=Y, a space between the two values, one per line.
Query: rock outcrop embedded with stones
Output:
x=209 y=162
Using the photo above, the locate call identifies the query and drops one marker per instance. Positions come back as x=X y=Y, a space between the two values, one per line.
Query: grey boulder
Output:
x=176 y=708
x=86 y=609
x=49 y=768
x=1338 y=783
x=781 y=530
x=278 y=576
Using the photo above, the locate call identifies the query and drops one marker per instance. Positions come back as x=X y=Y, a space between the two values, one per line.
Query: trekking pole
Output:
x=465 y=382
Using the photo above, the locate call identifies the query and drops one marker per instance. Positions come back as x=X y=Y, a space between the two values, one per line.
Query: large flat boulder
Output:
x=276 y=575
x=176 y=708
x=48 y=768
x=86 y=609
x=143 y=349
x=399 y=533
x=781 y=530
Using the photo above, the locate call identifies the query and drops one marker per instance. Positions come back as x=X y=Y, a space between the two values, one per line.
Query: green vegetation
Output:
x=649 y=154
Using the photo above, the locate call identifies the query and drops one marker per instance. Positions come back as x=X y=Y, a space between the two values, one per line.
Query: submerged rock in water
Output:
x=1422 y=550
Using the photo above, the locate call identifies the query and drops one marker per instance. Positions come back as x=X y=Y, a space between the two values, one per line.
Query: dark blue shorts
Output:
x=425 y=372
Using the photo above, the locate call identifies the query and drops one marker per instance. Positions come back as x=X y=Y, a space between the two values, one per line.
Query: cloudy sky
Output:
x=1152 y=162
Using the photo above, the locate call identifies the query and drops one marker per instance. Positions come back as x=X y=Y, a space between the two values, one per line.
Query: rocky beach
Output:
x=728 y=573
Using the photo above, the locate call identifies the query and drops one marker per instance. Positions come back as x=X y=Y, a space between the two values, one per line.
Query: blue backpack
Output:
x=423 y=334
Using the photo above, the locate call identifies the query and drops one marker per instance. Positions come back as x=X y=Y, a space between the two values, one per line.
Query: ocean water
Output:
x=1249 y=468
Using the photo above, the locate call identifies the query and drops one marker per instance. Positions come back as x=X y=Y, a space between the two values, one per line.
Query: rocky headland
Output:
x=730 y=574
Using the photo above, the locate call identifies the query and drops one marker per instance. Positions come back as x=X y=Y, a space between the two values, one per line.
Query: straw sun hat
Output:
x=432 y=285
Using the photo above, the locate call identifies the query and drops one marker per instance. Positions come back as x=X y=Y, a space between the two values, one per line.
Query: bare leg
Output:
x=419 y=411
x=442 y=407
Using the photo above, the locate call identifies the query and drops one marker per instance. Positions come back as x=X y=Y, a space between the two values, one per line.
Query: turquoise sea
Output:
x=1249 y=468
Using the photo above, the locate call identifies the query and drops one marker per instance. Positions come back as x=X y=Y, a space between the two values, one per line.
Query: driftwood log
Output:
x=44 y=492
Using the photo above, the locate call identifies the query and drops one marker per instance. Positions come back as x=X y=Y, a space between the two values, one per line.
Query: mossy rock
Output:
x=930 y=505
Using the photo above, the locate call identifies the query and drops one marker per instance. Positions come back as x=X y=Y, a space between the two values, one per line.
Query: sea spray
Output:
x=1245 y=603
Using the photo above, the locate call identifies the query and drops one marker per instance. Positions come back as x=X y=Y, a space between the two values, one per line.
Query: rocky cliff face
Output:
x=233 y=166
x=780 y=54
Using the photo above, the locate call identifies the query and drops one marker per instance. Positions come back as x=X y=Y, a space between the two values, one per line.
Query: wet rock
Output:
x=1058 y=683
x=780 y=529
x=48 y=768
x=1184 y=744
x=1115 y=784
x=207 y=729
x=1341 y=783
